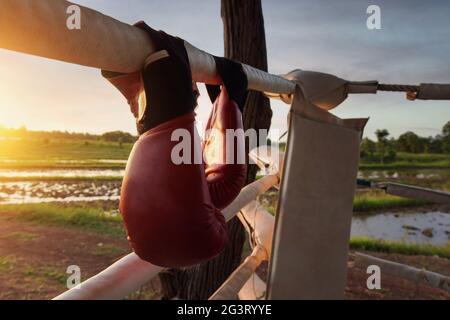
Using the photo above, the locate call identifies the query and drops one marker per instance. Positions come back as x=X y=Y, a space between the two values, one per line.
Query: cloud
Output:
x=323 y=35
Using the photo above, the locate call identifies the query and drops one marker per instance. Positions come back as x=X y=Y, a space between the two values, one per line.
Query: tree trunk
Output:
x=245 y=41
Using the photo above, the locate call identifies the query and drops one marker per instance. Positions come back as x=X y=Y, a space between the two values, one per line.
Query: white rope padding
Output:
x=403 y=271
x=249 y=193
x=203 y=69
x=230 y=288
x=254 y=289
x=40 y=28
x=118 y=280
x=414 y=192
x=260 y=225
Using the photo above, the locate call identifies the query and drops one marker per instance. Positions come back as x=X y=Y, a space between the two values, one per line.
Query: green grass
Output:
x=445 y=164
x=423 y=157
x=53 y=164
x=399 y=247
x=107 y=250
x=63 y=149
x=60 y=179
x=374 y=202
x=45 y=273
x=411 y=161
x=92 y=217
x=142 y=294
x=271 y=210
x=83 y=216
x=24 y=236
x=41 y=154
x=7 y=263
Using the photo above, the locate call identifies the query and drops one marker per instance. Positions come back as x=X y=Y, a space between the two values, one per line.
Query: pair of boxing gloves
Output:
x=171 y=208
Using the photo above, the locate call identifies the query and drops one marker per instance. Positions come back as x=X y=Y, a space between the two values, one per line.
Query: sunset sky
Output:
x=329 y=36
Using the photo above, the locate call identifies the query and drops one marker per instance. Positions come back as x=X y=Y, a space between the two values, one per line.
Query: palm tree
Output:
x=382 y=142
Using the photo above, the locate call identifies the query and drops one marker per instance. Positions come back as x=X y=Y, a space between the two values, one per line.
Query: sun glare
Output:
x=6 y=118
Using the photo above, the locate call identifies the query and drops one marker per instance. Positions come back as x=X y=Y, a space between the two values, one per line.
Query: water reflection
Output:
x=403 y=174
x=431 y=227
x=61 y=173
x=62 y=161
x=34 y=192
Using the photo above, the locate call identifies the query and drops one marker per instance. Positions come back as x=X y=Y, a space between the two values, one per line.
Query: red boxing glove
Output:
x=224 y=151
x=171 y=208
x=167 y=209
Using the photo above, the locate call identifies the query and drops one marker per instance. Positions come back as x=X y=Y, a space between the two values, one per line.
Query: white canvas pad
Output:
x=312 y=230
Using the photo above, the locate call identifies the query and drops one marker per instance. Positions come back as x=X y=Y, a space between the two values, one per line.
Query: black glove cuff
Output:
x=234 y=79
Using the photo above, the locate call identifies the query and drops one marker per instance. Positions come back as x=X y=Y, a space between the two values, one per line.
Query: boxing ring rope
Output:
x=39 y=28
x=231 y=287
x=408 y=191
x=415 y=275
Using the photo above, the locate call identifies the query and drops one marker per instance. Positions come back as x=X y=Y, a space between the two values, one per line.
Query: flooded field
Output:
x=63 y=161
x=411 y=227
x=401 y=174
x=21 y=186
x=432 y=178
x=36 y=192
x=60 y=173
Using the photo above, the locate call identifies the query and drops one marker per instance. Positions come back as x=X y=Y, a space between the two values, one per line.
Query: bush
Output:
x=118 y=136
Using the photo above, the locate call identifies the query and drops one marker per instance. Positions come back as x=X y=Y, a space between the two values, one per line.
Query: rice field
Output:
x=77 y=183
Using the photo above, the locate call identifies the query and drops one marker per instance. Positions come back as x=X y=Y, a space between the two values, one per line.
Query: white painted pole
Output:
x=229 y=290
x=249 y=193
x=118 y=280
x=415 y=275
x=254 y=289
x=40 y=28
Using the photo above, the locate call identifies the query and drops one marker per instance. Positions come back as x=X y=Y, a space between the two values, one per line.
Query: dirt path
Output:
x=34 y=259
x=395 y=288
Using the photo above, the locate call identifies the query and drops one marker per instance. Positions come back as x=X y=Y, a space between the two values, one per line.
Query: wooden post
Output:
x=244 y=37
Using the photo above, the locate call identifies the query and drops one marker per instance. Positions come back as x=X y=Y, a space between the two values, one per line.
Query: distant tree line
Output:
x=118 y=136
x=113 y=136
x=385 y=149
